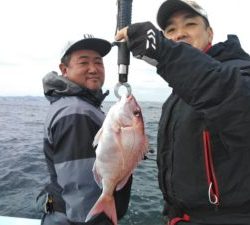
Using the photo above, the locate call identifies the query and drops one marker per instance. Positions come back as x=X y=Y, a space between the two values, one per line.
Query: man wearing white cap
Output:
x=203 y=138
x=72 y=122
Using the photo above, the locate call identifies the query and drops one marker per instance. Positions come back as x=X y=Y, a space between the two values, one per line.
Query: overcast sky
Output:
x=34 y=32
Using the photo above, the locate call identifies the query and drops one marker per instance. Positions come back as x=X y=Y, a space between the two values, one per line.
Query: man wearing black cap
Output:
x=72 y=122
x=203 y=137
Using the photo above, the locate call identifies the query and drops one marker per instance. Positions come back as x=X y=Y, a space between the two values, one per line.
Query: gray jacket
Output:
x=72 y=122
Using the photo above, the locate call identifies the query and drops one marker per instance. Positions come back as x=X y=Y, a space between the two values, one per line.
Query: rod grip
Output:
x=124 y=13
x=123 y=20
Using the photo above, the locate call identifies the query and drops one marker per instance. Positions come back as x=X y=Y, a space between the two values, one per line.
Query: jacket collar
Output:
x=228 y=50
x=56 y=86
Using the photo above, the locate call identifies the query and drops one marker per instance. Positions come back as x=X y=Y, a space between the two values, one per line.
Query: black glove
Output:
x=100 y=219
x=144 y=41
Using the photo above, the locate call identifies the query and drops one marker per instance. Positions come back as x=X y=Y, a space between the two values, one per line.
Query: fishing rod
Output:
x=124 y=11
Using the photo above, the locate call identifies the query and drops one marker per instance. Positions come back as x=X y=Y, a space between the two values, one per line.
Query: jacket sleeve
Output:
x=201 y=81
x=220 y=91
x=197 y=78
x=73 y=158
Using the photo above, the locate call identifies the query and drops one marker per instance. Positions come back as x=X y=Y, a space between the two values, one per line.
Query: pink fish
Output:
x=122 y=143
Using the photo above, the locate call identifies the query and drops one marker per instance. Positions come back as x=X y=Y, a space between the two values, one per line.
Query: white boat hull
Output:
x=6 y=220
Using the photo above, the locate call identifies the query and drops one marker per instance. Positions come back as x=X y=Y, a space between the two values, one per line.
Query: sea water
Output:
x=23 y=171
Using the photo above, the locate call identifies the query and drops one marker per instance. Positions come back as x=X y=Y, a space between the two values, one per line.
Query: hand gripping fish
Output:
x=122 y=143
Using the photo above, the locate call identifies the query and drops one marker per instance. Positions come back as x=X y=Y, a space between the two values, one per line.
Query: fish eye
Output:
x=137 y=112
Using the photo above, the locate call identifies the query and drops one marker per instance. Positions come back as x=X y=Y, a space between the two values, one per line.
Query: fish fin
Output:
x=145 y=147
x=106 y=204
x=97 y=137
x=97 y=177
x=127 y=138
x=127 y=134
x=122 y=183
x=144 y=152
x=120 y=146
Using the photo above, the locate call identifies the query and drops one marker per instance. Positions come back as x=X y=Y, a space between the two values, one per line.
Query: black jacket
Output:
x=210 y=105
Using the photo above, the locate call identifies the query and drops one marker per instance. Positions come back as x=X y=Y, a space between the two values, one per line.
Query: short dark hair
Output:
x=207 y=24
x=66 y=59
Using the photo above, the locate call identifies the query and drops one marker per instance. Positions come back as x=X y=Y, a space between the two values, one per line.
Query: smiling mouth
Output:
x=93 y=78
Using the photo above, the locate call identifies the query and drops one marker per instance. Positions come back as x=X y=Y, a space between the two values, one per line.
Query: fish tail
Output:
x=106 y=204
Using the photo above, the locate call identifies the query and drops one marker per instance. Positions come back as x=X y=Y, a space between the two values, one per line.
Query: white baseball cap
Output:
x=169 y=7
x=88 y=42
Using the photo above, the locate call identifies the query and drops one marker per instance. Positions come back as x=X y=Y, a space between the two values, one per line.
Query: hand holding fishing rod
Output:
x=123 y=20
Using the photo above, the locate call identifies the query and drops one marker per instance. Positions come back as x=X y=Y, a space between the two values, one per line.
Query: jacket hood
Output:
x=56 y=86
x=228 y=50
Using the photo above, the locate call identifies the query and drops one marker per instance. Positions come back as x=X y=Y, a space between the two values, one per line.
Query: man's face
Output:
x=85 y=68
x=187 y=27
